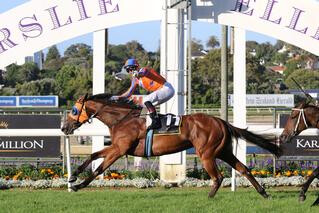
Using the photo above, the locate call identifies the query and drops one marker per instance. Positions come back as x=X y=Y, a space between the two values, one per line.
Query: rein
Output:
x=301 y=113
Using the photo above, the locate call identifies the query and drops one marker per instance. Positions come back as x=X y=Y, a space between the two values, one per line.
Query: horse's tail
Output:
x=265 y=142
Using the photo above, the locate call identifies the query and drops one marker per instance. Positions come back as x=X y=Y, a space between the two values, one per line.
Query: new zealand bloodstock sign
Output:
x=30 y=146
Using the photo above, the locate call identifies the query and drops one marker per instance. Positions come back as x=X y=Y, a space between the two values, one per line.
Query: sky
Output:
x=150 y=40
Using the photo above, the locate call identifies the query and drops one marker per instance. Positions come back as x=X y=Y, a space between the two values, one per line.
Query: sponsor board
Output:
x=30 y=146
x=266 y=100
x=29 y=101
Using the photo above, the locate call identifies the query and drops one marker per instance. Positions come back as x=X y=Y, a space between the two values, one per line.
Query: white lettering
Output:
x=299 y=143
x=307 y=144
x=314 y=144
x=22 y=144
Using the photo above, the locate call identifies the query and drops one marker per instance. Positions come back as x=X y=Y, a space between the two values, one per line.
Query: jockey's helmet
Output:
x=131 y=64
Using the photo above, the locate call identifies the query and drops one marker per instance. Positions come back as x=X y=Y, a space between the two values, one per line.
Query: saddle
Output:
x=170 y=125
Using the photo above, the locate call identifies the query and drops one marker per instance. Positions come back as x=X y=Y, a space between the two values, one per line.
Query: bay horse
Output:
x=210 y=136
x=302 y=117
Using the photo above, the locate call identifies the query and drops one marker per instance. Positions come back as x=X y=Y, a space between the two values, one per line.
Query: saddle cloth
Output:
x=170 y=125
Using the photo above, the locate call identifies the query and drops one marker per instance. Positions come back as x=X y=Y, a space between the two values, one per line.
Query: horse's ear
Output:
x=303 y=104
x=86 y=96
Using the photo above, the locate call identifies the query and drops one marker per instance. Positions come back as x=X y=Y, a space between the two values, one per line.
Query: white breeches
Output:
x=162 y=95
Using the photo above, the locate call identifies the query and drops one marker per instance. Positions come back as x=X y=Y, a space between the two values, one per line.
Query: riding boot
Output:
x=156 y=122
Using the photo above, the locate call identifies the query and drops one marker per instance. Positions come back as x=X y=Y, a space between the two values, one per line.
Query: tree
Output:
x=291 y=66
x=29 y=72
x=73 y=81
x=280 y=58
x=265 y=51
x=279 y=45
x=197 y=47
x=39 y=87
x=12 y=75
x=307 y=78
x=53 y=61
x=254 y=72
x=212 y=42
x=53 y=54
x=206 y=79
x=20 y=74
x=251 y=46
x=80 y=55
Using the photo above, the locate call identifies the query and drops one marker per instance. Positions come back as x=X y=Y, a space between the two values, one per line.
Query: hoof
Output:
x=302 y=198
x=72 y=179
x=266 y=196
x=211 y=196
x=74 y=188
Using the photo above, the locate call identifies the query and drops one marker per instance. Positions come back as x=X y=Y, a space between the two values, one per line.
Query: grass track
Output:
x=154 y=200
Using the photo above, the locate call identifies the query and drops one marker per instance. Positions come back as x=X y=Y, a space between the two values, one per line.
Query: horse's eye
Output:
x=74 y=111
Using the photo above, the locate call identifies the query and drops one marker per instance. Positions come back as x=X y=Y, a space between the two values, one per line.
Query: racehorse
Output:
x=302 y=117
x=210 y=136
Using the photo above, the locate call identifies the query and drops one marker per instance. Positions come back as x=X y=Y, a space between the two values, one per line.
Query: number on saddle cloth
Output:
x=170 y=125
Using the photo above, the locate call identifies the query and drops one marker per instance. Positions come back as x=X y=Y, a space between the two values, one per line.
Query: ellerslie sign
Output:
x=39 y=24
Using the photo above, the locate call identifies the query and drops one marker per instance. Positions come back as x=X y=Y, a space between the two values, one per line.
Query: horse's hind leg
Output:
x=111 y=157
x=100 y=154
x=212 y=170
x=236 y=164
x=305 y=186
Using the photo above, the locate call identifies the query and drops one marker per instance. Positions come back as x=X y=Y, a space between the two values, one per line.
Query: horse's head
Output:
x=100 y=106
x=297 y=122
x=78 y=116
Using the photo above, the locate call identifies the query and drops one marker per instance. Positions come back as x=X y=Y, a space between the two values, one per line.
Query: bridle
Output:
x=83 y=108
x=301 y=114
x=89 y=118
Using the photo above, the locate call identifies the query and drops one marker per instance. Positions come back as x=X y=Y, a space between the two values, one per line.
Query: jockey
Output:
x=150 y=80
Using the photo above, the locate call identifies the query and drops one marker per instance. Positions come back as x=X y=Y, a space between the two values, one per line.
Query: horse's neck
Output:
x=312 y=117
x=112 y=117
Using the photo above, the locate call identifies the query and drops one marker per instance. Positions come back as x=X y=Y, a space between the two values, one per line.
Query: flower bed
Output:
x=146 y=183
x=29 y=172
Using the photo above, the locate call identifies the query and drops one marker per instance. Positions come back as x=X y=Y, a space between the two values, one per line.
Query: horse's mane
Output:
x=306 y=104
x=105 y=98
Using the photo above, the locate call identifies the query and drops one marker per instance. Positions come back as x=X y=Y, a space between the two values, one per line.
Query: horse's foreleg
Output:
x=236 y=164
x=96 y=155
x=305 y=186
x=108 y=161
x=212 y=170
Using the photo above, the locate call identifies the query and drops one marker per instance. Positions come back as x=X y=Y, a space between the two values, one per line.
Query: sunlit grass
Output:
x=154 y=200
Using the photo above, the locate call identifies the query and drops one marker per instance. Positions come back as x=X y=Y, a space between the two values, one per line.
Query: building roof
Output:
x=279 y=69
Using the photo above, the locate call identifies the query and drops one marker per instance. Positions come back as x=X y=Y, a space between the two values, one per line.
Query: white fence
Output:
x=101 y=132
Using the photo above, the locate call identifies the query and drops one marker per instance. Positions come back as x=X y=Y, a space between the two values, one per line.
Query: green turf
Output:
x=153 y=200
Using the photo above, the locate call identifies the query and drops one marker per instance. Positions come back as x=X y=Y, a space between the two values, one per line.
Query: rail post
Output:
x=68 y=161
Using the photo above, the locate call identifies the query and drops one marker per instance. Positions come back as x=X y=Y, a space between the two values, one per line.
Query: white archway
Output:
x=41 y=23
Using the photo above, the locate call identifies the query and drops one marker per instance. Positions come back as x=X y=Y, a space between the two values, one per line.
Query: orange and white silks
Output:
x=150 y=80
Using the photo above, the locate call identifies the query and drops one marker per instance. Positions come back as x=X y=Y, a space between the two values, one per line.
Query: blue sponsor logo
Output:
x=38 y=101
x=8 y=101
